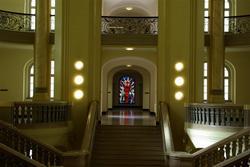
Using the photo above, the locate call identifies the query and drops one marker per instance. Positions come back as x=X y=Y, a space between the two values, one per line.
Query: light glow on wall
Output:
x=179 y=66
x=78 y=94
x=179 y=81
x=179 y=95
x=129 y=8
x=78 y=80
x=129 y=49
x=79 y=65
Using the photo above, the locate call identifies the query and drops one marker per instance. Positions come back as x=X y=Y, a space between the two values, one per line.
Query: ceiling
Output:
x=140 y=8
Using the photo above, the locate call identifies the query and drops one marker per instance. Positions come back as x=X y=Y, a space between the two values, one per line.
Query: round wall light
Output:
x=79 y=65
x=179 y=95
x=78 y=94
x=179 y=81
x=179 y=66
x=78 y=80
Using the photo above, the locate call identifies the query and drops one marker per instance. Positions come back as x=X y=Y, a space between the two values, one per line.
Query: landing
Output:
x=128 y=116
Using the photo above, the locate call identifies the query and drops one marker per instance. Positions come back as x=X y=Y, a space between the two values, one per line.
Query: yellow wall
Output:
x=240 y=61
x=13 y=5
x=11 y=71
x=243 y=7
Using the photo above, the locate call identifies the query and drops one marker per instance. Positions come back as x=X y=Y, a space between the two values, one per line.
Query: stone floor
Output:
x=128 y=116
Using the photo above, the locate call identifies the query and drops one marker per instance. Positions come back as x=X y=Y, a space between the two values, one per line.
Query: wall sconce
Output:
x=179 y=66
x=179 y=95
x=179 y=81
x=79 y=65
x=78 y=80
x=78 y=94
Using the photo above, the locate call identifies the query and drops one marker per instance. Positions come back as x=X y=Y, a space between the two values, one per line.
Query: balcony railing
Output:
x=234 y=24
x=129 y=25
x=12 y=21
x=21 y=22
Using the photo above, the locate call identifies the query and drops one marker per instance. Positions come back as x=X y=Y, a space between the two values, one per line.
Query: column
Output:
x=42 y=55
x=216 y=52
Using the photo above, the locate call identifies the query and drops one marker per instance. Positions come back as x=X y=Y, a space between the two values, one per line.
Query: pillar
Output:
x=216 y=52
x=42 y=55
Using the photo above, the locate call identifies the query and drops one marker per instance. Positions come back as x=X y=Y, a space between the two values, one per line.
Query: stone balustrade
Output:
x=218 y=114
x=26 y=113
x=219 y=152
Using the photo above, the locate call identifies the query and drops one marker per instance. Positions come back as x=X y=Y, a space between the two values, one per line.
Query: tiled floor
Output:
x=128 y=117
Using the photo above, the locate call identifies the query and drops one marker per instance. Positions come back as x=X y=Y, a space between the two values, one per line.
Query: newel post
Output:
x=247 y=115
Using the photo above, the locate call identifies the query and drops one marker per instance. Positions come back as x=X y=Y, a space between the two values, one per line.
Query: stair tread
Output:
x=134 y=146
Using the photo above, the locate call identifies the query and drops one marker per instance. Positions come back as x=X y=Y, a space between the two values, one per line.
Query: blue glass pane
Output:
x=127 y=90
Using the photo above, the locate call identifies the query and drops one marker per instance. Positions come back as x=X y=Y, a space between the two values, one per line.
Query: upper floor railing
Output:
x=13 y=21
x=129 y=25
x=234 y=24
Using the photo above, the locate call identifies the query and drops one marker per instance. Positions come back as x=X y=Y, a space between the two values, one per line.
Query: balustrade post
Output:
x=222 y=116
x=240 y=143
x=212 y=115
x=246 y=115
x=217 y=116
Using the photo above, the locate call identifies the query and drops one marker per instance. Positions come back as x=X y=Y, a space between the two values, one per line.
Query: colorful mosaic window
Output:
x=126 y=90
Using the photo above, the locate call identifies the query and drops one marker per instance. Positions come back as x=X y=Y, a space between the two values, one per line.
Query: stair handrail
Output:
x=18 y=157
x=216 y=153
x=14 y=134
x=241 y=159
x=90 y=129
x=222 y=148
x=166 y=128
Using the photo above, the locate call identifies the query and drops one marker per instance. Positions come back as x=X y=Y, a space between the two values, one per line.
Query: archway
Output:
x=143 y=66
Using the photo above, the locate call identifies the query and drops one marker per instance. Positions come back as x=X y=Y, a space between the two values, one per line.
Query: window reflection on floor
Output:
x=128 y=117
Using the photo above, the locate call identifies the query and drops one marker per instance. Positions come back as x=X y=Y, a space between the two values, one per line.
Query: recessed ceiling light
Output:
x=128 y=65
x=129 y=49
x=129 y=8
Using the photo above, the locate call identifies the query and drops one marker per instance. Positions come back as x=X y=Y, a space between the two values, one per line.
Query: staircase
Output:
x=123 y=146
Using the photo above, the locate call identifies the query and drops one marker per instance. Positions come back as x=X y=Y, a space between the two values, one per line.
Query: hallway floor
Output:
x=128 y=116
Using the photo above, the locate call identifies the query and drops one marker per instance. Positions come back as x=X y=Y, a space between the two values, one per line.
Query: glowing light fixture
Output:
x=78 y=80
x=129 y=8
x=128 y=65
x=129 y=49
x=78 y=94
x=179 y=95
x=179 y=66
x=79 y=65
x=179 y=81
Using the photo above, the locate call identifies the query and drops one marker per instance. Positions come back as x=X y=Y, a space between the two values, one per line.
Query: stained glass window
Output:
x=127 y=90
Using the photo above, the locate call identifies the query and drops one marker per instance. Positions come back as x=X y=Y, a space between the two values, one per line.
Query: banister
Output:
x=11 y=156
x=240 y=160
x=166 y=128
x=222 y=142
x=227 y=148
x=32 y=139
x=90 y=129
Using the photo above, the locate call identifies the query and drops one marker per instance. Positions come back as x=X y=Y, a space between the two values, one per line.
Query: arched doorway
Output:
x=127 y=89
x=145 y=67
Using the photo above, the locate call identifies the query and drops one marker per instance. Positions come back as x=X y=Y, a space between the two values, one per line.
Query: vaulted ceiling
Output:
x=139 y=8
